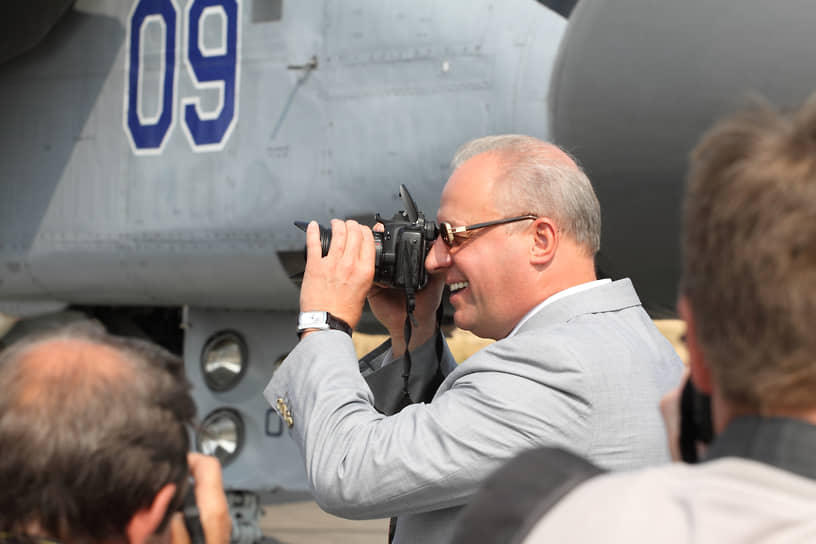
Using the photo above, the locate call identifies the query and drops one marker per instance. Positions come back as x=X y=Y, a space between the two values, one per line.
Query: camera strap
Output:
x=429 y=388
x=410 y=305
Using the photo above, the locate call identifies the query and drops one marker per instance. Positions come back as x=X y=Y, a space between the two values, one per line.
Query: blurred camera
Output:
x=696 y=426
x=400 y=248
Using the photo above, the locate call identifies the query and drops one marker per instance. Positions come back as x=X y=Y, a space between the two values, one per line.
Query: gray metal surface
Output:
x=269 y=460
x=335 y=105
x=398 y=86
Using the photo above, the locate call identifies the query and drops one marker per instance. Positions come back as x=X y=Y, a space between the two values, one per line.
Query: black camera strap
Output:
x=410 y=322
x=430 y=388
x=410 y=305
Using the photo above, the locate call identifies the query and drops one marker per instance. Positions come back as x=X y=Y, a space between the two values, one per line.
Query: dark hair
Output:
x=87 y=443
x=749 y=255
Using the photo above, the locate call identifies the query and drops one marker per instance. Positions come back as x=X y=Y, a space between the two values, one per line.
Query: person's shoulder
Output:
x=624 y=507
x=754 y=475
x=510 y=500
x=567 y=500
x=543 y=349
x=635 y=481
x=717 y=500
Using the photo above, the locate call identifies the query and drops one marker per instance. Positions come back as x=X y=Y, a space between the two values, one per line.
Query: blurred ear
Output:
x=700 y=372
x=545 y=241
x=145 y=521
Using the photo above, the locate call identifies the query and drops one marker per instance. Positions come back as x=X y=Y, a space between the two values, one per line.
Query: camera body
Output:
x=401 y=247
x=696 y=426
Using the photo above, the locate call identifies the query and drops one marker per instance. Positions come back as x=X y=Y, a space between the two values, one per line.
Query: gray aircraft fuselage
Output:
x=114 y=192
x=157 y=152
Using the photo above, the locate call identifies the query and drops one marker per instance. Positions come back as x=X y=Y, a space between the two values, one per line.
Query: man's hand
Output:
x=388 y=306
x=213 y=509
x=338 y=282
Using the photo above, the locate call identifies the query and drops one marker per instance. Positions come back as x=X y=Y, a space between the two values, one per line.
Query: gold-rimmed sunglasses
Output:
x=453 y=236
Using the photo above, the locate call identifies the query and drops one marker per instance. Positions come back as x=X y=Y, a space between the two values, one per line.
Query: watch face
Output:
x=313 y=320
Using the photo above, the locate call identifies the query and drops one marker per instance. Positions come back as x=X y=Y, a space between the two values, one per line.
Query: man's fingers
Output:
x=209 y=495
x=178 y=531
x=313 y=250
x=353 y=238
x=368 y=252
x=338 y=283
x=206 y=470
x=339 y=235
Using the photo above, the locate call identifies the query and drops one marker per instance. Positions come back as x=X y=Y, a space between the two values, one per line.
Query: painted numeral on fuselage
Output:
x=148 y=134
x=211 y=68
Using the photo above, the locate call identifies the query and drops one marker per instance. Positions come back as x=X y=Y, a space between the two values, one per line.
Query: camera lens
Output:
x=325 y=236
x=325 y=240
x=400 y=249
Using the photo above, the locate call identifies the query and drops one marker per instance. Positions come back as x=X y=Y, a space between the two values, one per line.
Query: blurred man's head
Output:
x=498 y=273
x=749 y=244
x=93 y=436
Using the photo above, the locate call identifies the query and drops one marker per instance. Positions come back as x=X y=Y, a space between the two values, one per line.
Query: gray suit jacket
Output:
x=585 y=372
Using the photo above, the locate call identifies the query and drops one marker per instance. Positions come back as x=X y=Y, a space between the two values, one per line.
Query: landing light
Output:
x=224 y=360
x=221 y=434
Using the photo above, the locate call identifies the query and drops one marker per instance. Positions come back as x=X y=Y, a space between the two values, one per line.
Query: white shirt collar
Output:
x=558 y=296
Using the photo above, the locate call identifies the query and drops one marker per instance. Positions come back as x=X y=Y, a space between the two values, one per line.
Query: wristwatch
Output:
x=320 y=321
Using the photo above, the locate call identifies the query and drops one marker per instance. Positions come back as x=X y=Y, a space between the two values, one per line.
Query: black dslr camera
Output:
x=401 y=247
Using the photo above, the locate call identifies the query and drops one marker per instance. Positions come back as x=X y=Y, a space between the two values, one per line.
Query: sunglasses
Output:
x=454 y=236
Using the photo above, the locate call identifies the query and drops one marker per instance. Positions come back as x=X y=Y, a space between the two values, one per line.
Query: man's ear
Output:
x=145 y=521
x=700 y=372
x=545 y=241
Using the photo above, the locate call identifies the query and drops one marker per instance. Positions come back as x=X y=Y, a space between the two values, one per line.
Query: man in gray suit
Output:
x=578 y=363
x=748 y=296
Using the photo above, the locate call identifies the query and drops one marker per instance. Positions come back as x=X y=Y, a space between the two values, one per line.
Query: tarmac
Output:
x=303 y=522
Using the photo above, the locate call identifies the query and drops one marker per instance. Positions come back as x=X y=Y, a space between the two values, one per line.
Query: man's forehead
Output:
x=468 y=191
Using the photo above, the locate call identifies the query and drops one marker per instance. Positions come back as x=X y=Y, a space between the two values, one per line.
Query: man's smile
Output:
x=457 y=286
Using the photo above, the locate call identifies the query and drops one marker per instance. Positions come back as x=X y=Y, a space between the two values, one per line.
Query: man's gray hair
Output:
x=541 y=179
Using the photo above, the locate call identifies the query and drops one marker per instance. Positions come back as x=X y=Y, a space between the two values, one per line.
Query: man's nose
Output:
x=438 y=257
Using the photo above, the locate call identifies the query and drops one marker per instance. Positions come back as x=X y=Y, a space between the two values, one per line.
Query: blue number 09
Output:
x=211 y=68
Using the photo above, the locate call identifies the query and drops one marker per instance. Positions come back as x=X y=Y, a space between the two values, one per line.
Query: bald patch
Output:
x=542 y=151
x=69 y=365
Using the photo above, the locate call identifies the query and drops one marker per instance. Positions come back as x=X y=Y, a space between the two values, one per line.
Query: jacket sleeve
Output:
x=363 y=464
